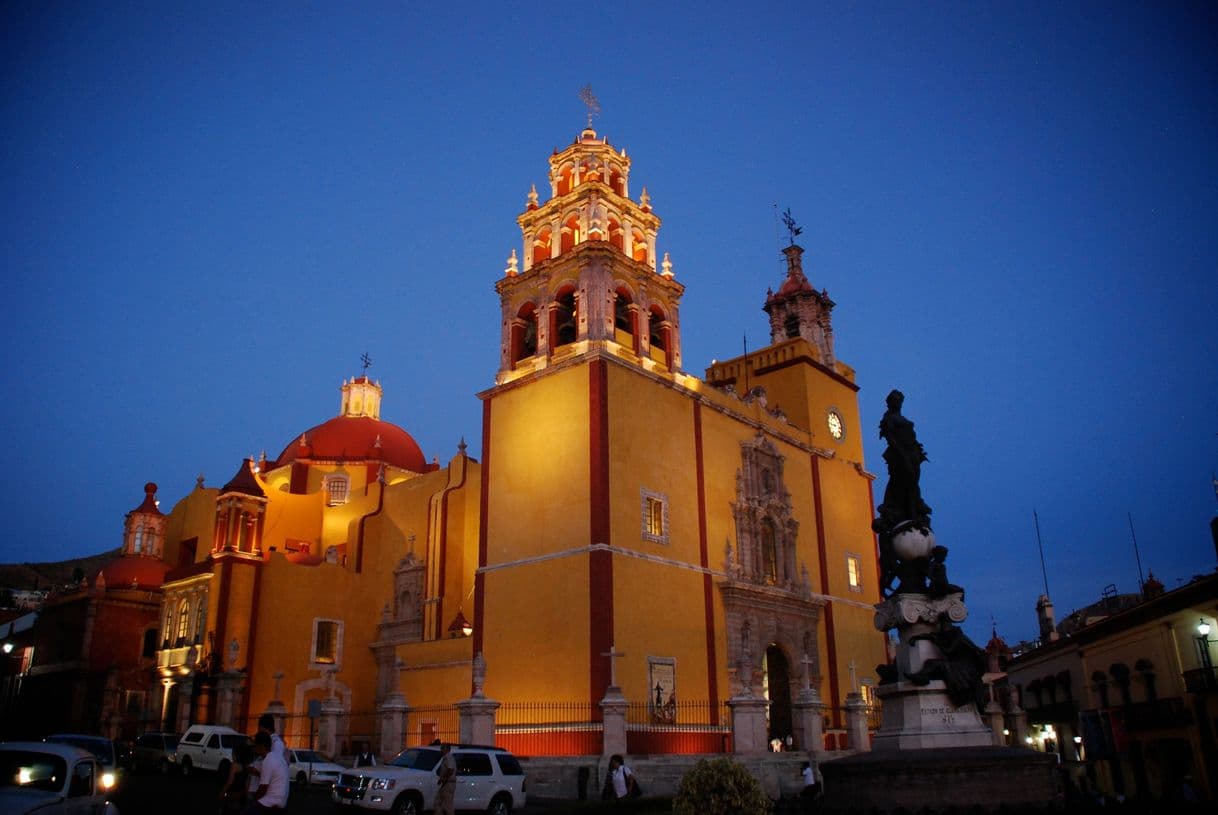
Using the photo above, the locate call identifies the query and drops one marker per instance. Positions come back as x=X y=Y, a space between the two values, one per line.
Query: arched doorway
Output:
x=777 y=688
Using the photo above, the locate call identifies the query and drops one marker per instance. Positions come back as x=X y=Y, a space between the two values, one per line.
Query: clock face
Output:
x=837 y=428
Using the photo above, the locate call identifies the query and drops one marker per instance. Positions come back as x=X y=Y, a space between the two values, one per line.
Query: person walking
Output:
x=447 y=781
x=272 y=791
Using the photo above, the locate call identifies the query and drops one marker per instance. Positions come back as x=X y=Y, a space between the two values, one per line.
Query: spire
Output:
x=244 y=481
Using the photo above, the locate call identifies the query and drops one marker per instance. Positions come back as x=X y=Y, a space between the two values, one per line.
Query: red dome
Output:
x=794 y=284
x=354 y=438
x=144 y=572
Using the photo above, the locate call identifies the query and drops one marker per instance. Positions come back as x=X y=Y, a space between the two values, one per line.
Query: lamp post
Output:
x=1203 y=644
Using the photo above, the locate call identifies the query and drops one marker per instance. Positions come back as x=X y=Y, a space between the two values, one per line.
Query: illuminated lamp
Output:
x=460 y=627
x=1078 y=739
x=8 y=648
x=1203 y=628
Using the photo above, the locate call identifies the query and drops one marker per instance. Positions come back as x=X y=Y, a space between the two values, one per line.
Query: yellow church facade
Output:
x=628 y=528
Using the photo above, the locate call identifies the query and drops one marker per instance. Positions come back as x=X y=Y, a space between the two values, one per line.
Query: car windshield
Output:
x=306 y=756
x=32 y=770
x=102 y=748
x=417 y=758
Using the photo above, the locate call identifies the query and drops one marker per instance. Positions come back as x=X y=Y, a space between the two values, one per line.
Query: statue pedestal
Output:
x=920 y=715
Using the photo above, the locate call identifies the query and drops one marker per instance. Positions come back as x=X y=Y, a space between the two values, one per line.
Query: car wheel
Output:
x=500 y=805
x=407 y=804
x=301 y=778
x=186 y=766
x=164 y=768
x=222 y=767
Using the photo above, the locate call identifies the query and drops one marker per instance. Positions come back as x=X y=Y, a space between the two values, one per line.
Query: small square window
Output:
x=326 y=636
x=854 y=572
x=655 y=517
x=336 y=491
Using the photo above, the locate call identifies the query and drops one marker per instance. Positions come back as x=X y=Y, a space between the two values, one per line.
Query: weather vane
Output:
x=594 y=107
x=366 y=361
x=790 y=223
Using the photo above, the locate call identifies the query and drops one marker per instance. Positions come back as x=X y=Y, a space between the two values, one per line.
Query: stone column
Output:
x=279 y=712
x=749 y=735
x=996 y=718
x=477 y=720
x=809 y=720
x=229 y=686
x=613 y=714
x=856 y=723
x=393 y=713
x=327 y=726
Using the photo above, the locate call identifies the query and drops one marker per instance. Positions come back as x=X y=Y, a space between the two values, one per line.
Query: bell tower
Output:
x=588 y=272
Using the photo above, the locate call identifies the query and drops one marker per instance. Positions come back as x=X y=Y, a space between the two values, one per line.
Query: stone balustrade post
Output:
x=856 y=723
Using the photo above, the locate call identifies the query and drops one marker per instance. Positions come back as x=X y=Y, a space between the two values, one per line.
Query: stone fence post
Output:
x=613 y=715
x=748 y=724
x=393 y=713
x=856 y=723
x=810 y=721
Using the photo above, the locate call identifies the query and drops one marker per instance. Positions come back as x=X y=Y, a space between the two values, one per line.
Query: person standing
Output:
x=812 y=787
x=266 y=724
x=621 y=781
x=272 y=791
x=365 y=758
x=447 y=783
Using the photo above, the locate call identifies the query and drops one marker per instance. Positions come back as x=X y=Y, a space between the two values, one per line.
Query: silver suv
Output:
x=489 y=779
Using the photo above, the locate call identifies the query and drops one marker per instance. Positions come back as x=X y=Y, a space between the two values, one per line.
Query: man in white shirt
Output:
x=272 y=792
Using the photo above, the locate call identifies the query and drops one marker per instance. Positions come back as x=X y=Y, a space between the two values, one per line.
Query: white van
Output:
x=208 y=747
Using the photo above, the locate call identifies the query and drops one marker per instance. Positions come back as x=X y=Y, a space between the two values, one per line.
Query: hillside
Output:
x=44 y=575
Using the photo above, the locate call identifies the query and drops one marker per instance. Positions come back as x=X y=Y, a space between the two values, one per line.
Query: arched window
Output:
x=542 y=245
x=571 y=234
x=183 y=622
x=655 y=322
x=201 y=620
x=638 y=246
x=565 y=318
x=617 y=235
x=167 y=629
x=524 y=333
x=616 y=182
x=565 y=179
x=138 y=545
x=336 y=490
x=622 y=319
x=1101 y=687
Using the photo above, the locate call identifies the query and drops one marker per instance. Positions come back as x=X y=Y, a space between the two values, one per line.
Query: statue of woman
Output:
x=904 y=455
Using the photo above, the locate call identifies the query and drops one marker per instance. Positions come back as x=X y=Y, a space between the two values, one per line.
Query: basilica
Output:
x=630 y=528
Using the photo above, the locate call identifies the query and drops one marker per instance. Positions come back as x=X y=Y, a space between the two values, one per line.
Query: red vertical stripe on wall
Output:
x=249 y=649
x=830 y=633
x=600 y=563
x=708 y=585
x=483 y=509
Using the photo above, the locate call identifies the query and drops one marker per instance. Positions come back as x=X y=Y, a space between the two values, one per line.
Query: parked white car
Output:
x=208 y=747
x=488 y=779
x=311 y=767
x=37 y=777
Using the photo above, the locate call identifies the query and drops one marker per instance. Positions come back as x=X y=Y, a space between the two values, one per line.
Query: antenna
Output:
x=1141 y=582
x=1044 y=573
x=746 y=365
x=594 y=107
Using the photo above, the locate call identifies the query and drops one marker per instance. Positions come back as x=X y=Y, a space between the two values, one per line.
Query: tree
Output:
x=719 y=786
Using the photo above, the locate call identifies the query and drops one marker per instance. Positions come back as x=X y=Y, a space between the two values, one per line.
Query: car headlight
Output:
x=107 y=781
x=382 y=783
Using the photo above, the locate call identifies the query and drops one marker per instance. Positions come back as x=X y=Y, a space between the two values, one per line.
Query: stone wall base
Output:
x=944 y=778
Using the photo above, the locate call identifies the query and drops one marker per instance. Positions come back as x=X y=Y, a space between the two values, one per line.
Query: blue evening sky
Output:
x=211 y=210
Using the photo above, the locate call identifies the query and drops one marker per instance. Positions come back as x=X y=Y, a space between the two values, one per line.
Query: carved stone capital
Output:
x=903 y=610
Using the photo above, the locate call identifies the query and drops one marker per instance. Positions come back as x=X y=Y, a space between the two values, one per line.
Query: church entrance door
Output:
x=778 y=691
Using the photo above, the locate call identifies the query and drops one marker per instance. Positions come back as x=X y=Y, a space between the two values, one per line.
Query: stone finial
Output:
x=532 y=196
x=513 y=265
x=645 y=201
x=479 y=673
x=461 y=446
x=199 y=481
x=666 y=267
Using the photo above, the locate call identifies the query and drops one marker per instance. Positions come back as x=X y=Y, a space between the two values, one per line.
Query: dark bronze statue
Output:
x=904 y=455
x=961 y=667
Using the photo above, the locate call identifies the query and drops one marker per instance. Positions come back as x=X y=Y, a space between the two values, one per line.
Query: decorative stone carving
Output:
x=902 y=610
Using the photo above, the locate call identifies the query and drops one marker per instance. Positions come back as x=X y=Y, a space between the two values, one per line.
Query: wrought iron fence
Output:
x=678 y=728
x=549 y=728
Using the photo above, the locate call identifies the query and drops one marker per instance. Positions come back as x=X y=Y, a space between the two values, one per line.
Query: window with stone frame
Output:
x=327 y=641
x=854 y=572
x=336 y=490
x=183 y=623
x=655 y=516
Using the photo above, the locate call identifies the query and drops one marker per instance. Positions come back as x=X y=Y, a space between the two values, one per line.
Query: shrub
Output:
x=719 y=786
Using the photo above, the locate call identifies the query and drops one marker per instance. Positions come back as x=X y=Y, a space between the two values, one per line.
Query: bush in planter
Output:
x=719 y=786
